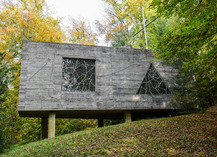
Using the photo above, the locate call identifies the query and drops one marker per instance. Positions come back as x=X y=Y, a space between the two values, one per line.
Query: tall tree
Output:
x=124 y=19
x=193 y=44
x=20 y=20
x=80 y=32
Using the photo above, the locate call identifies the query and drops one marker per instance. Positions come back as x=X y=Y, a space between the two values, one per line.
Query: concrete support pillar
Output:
x=100 y=122
x=44 y=128
x=127 y=116
x=51 y=125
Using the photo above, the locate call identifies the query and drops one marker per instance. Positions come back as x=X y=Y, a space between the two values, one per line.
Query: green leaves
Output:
x=124 y=20
x=191 y=43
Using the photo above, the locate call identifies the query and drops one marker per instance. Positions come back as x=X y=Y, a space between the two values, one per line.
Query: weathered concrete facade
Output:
x=119 y=73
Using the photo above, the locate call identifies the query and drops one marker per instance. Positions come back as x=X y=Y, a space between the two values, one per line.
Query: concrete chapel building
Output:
x=61 y=80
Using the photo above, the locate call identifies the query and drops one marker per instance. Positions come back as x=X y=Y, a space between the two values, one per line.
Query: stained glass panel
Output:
x=153 y=83
x=78 y=75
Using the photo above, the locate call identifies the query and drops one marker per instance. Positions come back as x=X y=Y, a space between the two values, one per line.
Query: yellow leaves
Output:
x=21 y=20
x=10 y=29
x=80 y=32
x=27 y=21
x=172 y=151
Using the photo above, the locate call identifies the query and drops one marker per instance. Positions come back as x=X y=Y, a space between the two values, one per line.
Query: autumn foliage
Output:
x=188 y=135
x=124 y=18
x=20 y=20
x=79 y=32
x=184 y=35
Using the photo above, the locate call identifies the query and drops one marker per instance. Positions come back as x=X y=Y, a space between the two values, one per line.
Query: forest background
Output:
x=185 y=35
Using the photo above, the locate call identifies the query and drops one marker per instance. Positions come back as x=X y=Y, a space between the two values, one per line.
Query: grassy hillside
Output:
x=188 y=135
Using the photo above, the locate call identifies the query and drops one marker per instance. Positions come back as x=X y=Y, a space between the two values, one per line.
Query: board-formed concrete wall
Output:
x=119 y=73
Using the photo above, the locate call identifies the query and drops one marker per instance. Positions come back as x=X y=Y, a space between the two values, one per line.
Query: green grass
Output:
x=188 y=135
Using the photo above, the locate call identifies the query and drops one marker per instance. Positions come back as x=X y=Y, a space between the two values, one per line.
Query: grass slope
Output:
x=188 y=135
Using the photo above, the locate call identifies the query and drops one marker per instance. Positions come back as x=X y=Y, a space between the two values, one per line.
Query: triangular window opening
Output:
x=153 y=83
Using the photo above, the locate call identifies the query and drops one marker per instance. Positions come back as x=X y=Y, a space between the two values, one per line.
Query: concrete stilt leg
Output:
x=127 y=117
x=44 y=128
x=51 y=125
x=100 y=122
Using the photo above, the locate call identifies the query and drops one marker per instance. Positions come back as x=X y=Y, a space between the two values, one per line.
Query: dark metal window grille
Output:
x=153 y=84
x=78 y=75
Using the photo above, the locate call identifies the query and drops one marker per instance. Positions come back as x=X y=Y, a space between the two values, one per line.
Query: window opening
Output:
x=78 y=75
x=153 y=83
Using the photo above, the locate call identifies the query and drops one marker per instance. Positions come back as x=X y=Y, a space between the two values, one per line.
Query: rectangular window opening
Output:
x=78 y=74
